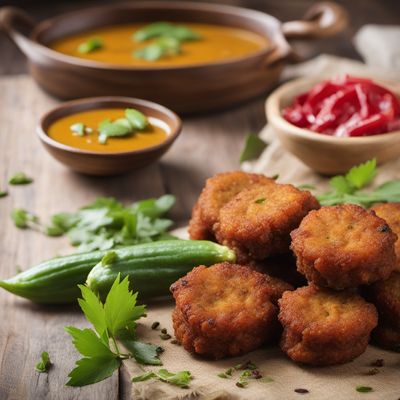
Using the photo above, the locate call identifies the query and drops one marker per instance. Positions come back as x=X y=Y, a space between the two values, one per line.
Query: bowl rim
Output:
x=96 y=102
x=154 y=4
x=274 y=114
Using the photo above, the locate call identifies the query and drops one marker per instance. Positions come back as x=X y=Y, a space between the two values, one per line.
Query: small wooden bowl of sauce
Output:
x=72 y=134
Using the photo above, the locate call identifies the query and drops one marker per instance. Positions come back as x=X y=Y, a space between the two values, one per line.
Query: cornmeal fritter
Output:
x=225 y=310
x=257 y=222
x=387 y=336
x=219 y=190
x=385 y=295
x=344 y=246
x=325 y=327
x=390 y=212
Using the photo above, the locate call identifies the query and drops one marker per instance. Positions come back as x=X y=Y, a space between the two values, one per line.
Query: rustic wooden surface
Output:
x=208 y=144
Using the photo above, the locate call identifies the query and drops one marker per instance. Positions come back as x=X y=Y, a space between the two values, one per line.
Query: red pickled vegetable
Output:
x=346 y=106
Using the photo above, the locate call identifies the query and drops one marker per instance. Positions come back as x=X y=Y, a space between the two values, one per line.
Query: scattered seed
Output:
x=155 y=325
x=174 y=341
x=241 y=384
x=165 y=336
x=163 y=330
x=301 y=391
x=373 y=371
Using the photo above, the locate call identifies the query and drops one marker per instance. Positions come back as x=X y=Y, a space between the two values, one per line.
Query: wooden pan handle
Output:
x=321 y=20
x=17 y=25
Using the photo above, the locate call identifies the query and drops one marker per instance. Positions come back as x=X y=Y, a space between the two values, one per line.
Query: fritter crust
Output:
x=344 y=246
x=219 y=190
x=324 y=327
x=386 y=336
x=257 y=222
x=224 y=310
x=390 y=212
x=385 y=295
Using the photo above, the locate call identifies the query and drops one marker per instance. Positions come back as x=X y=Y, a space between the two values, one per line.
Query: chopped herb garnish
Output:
x=164 y=330
x=3 y=193
x=260 y=201
x=174 y=341
x=162 y=47
x=115 y=319
x=372 y=371
x=78 y=129
x=165 y=29
x=44 y=364
x=181 y=379
x=165 y=336
x=253 y=147
x=364 y=389
x=250 y=371
x=23 y=219
x=90 y=45
x=301 y=391
x=20 y=178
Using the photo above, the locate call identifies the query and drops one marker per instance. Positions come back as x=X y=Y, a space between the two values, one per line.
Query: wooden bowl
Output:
x=102 y=164
x=327 y=154
x=188 y=89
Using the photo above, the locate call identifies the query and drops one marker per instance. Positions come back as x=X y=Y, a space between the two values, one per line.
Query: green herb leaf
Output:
x=364 y=389
x=3 y=193
x=23 y=219
x=260 y=201
x=20 y=178
x=109 y=258
x=90 y=45
x=112 y=129
x=88 y=343
x=44 y=364
x=362 y=174
x=120 y=307
x=162 y=47
x=137 y=119
x=253 y=148
x=92 y=370
x=181 y=379
x=78 y=129
x=158 y=29
x=143 y=353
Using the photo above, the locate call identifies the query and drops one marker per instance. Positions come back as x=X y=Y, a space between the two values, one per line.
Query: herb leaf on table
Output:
x=112 y=320
x=20 y=178
x=44 y=364
x=181 y=378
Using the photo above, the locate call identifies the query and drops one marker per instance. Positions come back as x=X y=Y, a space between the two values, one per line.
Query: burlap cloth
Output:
x=338 y=382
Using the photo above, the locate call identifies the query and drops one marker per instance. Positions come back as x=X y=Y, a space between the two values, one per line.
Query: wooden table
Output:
x=208 y=144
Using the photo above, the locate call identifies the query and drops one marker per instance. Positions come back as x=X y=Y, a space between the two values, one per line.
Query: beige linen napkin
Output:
x=336 y=383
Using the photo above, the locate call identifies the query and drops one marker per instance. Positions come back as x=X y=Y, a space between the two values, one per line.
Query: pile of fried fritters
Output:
x=319 y=279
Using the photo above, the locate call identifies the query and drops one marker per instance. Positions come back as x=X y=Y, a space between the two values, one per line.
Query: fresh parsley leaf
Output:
x=23 y=219
x=92 y=370
x=181 y=379
x=360 y=175
x=44 y=364
x=88 y=343
x=137 y=119
x=20 y=178
x=253 y=147
x=109 y=258
x=143 y=353
x=341 y=185
x=93 y=309
x=90 y=45
x=78 y=128
x=3 y=193
x=120 y=307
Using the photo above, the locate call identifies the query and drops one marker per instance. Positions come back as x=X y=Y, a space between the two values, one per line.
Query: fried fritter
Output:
x=218 y=190
x=257 y=222
x=344 y=246
x=385 y=295
x=225 y=310
x=386 y=336
x=325 y=327
x=390 y=212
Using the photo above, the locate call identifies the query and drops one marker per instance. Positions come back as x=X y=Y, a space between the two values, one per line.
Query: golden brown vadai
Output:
x=390 y=212
x=225 y=310
x=344 y=246
x=325 y=327
x=218 y=190
x=257 y=222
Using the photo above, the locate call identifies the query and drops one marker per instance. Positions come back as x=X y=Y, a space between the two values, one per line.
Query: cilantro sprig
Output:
x=347 y=188
x=106 y=223
x=113 y=320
